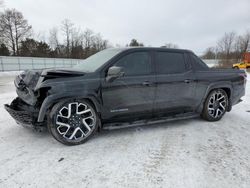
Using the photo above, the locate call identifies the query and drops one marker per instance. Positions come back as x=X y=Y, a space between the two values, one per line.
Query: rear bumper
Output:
x=25 y=117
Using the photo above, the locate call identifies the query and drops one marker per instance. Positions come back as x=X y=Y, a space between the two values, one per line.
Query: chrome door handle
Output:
x=187 y=81
x=147 y=83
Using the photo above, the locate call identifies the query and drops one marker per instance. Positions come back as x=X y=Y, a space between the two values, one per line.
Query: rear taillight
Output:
x=243 y=75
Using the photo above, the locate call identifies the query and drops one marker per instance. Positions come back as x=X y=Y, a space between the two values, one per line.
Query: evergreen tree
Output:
x=4 y=51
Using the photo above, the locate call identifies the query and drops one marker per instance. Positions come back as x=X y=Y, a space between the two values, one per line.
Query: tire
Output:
x=235 y=67
x=215 y=106
x=73 y=122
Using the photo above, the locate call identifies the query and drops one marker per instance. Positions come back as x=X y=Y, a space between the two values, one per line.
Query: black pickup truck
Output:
x=123 y=87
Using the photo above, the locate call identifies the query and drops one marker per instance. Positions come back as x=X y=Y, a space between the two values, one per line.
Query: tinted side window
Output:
x=137 y=63
x=198 y=63
x=170 y=62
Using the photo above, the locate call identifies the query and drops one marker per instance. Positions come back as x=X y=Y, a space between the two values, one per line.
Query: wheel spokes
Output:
x=75 y=121
x=64 y=112
x=73 y=108
x=216 y=113
x=63 y=129
x=217 y=104
x=77 y=130
x=221 y=105
x=86 y=125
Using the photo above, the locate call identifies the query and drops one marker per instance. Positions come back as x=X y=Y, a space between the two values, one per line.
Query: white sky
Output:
x=191 y=24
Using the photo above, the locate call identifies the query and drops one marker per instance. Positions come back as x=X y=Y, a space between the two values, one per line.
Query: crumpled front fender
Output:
x=52 y=99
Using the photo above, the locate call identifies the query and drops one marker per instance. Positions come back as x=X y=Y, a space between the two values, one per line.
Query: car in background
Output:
x=245 y=64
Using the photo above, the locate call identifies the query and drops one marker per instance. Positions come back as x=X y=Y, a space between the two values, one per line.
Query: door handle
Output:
x=187 y=81
x=147 y=83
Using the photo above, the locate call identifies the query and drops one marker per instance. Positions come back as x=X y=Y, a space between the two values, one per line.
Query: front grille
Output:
x=22 y=117
x=25 y=114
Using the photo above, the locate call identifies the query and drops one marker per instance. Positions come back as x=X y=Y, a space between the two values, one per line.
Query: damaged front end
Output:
x=24 y=114
x=24 y=109
x=32 y=88
x=25 y=86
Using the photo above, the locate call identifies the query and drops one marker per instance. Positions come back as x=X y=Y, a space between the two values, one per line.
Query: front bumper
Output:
x=24 y=115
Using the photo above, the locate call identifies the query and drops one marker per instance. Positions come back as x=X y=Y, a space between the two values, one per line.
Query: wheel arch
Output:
x=51 y=100
x=228 y=91
x=226 y=86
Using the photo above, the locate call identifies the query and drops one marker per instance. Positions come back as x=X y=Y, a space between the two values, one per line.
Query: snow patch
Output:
x=9 y=73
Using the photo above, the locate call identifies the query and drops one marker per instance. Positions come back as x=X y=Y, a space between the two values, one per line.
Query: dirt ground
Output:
x=189 y=153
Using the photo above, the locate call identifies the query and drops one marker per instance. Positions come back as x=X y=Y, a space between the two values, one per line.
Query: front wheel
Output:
x=215 y=105
x=73 y=122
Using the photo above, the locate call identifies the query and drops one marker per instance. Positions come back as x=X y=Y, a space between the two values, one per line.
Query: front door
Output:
x=131 y=96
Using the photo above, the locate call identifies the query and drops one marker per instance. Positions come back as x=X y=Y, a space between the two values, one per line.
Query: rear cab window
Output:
x=197 y=63
x=170 y=62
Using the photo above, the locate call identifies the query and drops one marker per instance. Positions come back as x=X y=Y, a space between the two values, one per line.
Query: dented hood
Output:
x=29 y=78
x=27 y=81
x=57 y=73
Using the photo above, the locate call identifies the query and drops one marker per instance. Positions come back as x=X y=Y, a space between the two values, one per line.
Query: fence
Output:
x=211 y=62
x=8 y=63
x=23 y=63
x=221 y=63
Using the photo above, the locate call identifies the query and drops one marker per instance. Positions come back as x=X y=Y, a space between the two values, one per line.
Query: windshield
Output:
x=92 y=63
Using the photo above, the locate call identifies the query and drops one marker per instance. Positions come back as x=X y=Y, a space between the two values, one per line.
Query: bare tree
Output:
x=76 y=50
x=88 y=42
x=87 y=38
x=244 y=42
x=53 y=38
x=98 y=43
x=76 y=37
x=13 y=29
x=225 y=44
x=67 y=27
x=210 y=53
x=247 y=41
x=170 y=45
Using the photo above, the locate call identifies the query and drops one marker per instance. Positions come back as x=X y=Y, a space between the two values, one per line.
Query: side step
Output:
x=120 y=125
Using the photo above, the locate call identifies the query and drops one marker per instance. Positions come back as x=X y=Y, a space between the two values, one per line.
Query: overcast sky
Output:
x=191 y=24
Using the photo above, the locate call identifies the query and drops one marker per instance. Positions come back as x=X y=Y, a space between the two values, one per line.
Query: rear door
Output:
x=130 y=97
x=175 y=83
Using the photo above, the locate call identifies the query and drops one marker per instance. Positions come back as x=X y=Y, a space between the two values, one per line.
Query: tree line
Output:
x=16 y=39
x=229 y=46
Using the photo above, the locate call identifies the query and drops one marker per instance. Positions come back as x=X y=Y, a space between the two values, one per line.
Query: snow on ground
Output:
x=188 y=153
x=9 y=73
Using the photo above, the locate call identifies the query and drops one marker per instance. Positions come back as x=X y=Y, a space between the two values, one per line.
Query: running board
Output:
x=120 y=125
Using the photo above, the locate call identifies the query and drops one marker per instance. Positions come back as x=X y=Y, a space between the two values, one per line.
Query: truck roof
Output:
x=154 y=48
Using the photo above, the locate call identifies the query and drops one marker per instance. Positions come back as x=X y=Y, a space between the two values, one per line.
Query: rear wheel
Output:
x=236 y=67
x=73 y=122
x=215 y=106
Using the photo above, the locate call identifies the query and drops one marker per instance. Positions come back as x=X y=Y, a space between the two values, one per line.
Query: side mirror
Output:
x=113 y=73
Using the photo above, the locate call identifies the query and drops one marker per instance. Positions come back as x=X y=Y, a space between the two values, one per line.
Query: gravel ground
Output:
x=188 y=153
